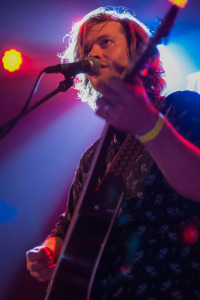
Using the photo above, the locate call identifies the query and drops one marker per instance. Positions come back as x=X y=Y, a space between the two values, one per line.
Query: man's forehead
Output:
x=103 y=29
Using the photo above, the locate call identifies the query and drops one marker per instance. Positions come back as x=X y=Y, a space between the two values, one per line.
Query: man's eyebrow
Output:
x=103 y=36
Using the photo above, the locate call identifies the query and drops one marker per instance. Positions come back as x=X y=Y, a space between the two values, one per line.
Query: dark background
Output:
x=39 y=157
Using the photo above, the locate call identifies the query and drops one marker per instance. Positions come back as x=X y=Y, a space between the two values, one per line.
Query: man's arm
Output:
x=179 y=161
x=41 y=261
x=128 y=108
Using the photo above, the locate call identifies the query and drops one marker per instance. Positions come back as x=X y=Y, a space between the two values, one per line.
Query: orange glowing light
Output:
x=12 y=60
x=179 y=3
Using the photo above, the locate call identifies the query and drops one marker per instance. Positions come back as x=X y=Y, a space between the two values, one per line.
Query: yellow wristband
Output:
x=153 y=132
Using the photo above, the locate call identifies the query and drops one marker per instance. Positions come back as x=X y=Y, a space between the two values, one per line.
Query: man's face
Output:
x=107 y=42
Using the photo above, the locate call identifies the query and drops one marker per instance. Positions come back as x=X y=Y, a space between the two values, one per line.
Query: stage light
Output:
x=190 y=234
x=12 y=60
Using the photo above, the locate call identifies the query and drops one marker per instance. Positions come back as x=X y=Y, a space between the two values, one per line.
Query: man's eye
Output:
x=105 y=42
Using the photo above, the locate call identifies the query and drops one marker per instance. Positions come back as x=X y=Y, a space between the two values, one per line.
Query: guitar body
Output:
x=83 y=247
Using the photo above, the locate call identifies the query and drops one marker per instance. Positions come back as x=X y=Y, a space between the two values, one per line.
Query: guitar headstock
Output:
x=179 y=3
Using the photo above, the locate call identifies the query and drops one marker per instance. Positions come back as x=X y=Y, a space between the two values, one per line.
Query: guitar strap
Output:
x=125 y=158
x=123 y=161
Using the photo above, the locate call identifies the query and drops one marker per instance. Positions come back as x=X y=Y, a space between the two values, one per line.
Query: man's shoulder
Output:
x=89 y=151
x=186 y=96
x=182 y=110
x=181 y=101
x=87 y=156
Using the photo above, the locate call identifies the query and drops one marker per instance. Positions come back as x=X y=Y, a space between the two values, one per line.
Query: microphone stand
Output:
x=63 y=86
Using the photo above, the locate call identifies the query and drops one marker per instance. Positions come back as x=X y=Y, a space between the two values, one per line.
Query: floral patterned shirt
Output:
x=153 y=251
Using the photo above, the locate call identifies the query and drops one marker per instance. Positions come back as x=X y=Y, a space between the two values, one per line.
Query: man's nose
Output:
x=95 y=51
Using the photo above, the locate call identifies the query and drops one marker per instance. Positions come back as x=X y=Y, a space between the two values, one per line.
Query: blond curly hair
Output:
x=135 y=32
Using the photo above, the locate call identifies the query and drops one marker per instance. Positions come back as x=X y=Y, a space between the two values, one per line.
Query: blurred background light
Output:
x=178 y=66
x=12 y=60
x=193 y=83
x=170 y=65
x=180 y=3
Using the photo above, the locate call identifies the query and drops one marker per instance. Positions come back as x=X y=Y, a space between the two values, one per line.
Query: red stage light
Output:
x=12 y=60
x=180 y=3
x=190 y=234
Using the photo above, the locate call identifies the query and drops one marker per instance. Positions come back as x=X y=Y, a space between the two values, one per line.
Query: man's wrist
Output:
x=153 y=132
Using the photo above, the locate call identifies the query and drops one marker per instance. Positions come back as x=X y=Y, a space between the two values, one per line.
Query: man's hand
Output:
x=126 y=106
x=40 y=263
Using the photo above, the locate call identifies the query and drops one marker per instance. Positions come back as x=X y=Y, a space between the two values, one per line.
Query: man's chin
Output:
x=101 y=78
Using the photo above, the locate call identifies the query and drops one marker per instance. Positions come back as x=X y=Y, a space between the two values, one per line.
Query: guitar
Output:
x=95 y=214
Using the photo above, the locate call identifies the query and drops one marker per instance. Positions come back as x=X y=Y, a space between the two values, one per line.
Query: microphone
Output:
x=90 y=65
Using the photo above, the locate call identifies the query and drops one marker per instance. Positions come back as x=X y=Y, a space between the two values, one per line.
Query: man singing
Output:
x=153 y=251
